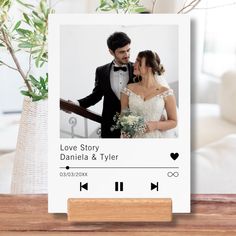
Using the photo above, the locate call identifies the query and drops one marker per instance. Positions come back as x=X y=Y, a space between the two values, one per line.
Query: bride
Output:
x=150 y=99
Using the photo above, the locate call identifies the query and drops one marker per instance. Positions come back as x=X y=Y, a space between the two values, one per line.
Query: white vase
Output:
x=30 y=165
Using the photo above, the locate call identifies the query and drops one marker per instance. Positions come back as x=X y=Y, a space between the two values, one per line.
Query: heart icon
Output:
x=174 y=156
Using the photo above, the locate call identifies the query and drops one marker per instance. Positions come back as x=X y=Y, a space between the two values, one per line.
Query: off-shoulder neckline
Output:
x=145 y=100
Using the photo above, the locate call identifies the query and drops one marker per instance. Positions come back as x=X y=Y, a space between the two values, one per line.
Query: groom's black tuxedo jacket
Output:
x=111 y=104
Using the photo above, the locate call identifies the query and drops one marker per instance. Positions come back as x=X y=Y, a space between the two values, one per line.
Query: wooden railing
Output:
x=72 y=107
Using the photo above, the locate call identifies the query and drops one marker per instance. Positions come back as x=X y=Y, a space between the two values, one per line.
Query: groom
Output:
x=110 y=79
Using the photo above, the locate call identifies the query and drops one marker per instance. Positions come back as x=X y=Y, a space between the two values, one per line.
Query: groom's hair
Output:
x=118 y=40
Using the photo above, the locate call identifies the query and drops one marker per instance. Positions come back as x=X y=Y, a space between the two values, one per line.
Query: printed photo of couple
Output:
x=136 y=100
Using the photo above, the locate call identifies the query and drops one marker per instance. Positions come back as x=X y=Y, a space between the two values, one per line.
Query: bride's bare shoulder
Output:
x=132 y=86
x=163 y=89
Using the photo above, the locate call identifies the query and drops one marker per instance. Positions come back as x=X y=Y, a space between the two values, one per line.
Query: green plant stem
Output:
x=19 y=69
x=29 y=69
x=11 y=67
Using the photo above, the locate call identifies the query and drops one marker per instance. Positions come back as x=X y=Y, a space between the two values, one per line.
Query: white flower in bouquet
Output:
x=129 y=123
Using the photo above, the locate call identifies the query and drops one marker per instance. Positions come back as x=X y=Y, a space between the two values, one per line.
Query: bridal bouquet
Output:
x=129 y=123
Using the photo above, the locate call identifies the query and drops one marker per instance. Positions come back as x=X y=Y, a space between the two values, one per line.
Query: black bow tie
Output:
x=116 y=68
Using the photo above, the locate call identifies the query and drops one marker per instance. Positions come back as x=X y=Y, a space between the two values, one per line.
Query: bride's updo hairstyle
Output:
x=153 y=61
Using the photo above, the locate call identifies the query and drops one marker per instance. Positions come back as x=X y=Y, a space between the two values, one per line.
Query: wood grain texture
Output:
x=211 y=215
x=179 y=233
x=117 y=210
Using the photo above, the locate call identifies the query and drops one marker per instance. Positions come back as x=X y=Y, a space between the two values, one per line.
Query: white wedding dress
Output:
x=151 y=110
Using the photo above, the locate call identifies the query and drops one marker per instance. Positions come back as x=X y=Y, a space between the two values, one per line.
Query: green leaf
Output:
x=42 y=82
x=46 y=80
x=42 y=63
x=43 y=7
x=39 y=58
x=17 y=25
x=35 y=82
x=35 y=97
x=7 y=3
x=27 y=19
x=139 y=9
x=32 y=77
x=24 y=32
x=103 y=4
x=25 y=93
x=25 y=4
x=39 y=24
x=25 y=45
x=2 y=45
x=35 y=51
x=37 y=15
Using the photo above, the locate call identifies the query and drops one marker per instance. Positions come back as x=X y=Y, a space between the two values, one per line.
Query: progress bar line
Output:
x=119 y=167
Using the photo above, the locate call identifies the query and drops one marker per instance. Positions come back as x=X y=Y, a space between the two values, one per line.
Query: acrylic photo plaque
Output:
x=81 y=163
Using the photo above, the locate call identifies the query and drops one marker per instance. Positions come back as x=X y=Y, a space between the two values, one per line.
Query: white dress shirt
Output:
x=118 y=79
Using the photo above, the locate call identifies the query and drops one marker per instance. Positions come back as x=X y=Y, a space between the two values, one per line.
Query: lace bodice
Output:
x=151 y=109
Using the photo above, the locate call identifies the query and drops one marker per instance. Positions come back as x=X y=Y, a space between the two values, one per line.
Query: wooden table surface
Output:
x=27 y=215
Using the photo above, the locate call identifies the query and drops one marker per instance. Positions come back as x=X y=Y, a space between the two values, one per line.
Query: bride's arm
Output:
x=124 y=101
x=171 y=122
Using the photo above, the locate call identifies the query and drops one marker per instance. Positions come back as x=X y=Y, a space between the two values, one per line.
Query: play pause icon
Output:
x=154 y=186
x=119 y=186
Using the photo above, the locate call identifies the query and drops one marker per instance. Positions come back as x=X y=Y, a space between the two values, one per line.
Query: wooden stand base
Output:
x=119 y=210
